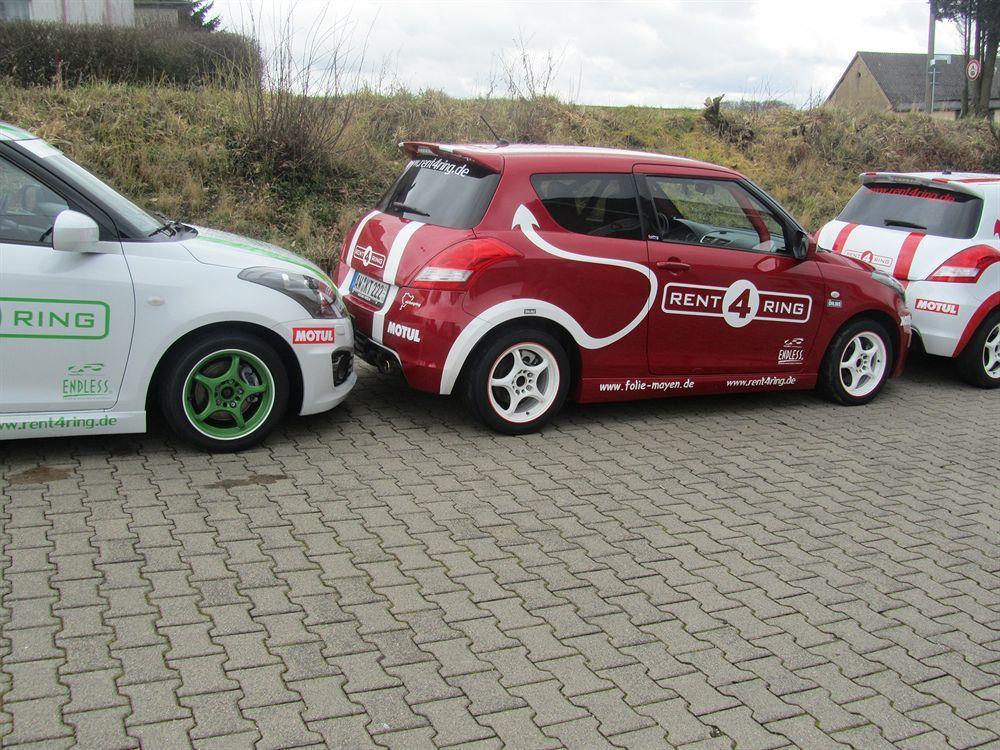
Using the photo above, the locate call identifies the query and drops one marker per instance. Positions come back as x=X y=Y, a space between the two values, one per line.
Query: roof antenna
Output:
x=499 y=141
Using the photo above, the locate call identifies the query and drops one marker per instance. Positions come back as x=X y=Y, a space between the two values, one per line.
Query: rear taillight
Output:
x=344 y=248
x=967 y=266
x=454 y=267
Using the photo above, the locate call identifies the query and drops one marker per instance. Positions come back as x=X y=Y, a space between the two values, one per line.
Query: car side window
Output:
x=27 y=207
x=718 y=213
x=599 y=205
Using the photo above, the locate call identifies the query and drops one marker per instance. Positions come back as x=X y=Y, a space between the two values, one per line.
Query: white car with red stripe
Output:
x=938 y=233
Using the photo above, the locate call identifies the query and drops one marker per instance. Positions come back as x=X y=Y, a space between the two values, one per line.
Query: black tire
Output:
x=972 y=361
x=831 y=381
x=256 y=363
x=482 y=400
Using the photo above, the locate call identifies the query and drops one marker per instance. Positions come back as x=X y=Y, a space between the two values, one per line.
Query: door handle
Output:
x=673 y=265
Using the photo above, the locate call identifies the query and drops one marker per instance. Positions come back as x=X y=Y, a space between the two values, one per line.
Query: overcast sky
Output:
x=667 y=53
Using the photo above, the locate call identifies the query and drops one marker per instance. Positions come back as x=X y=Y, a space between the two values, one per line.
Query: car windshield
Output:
x=442 y=192
x=141 y=221
x=915 y=208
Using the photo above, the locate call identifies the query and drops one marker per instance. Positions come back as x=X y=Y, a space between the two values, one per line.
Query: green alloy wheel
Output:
x=228 y=394
x=224 y=392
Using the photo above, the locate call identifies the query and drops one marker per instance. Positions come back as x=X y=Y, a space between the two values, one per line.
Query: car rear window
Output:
x=601 y=205
x=915 y=208
x=442 y=192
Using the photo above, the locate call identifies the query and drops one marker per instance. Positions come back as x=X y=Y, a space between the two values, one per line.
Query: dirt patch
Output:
x=39 y=475
x=253 y=480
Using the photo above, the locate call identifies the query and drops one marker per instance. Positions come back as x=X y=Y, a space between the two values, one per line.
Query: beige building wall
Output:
x=107 y=12
x=858 y=90
x=156 y=17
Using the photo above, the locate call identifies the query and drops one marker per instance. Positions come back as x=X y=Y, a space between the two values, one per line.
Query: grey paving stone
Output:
x=693 y=573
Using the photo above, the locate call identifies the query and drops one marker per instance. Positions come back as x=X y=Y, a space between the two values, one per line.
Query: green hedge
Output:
x=34 y=54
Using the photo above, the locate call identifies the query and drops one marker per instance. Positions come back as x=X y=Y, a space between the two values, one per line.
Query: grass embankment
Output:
x=184 y=152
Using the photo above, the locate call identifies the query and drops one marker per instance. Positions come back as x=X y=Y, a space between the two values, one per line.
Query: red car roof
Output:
x=575 y=158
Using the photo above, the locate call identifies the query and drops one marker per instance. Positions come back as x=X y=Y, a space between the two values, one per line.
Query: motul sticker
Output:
x=403 y=332
x=867 y=256
x=312 y=336
x=369 y=257
x=739 y=304
x=930 y=305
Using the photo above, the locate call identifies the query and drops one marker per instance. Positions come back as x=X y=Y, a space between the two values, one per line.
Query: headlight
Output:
x=318 y=298
x=889 y=281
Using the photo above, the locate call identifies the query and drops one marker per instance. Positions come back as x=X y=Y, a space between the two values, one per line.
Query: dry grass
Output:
x=183 y=152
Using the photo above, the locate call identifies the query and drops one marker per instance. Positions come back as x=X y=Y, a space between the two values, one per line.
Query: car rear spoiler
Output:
x=941 y=183
x=491 y=162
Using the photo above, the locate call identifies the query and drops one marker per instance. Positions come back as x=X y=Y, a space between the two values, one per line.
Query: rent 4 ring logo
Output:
x=34 y=318
x=370 y=257
x=312 y=336
x=867 y=256
x=739 y=304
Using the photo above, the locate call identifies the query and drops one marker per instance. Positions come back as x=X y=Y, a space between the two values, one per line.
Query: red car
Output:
x=520 y=275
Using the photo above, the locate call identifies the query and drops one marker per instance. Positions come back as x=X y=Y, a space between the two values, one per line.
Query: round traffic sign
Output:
x=973 y=69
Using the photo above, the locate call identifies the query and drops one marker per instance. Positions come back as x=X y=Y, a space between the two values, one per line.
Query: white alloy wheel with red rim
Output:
x=523 y=382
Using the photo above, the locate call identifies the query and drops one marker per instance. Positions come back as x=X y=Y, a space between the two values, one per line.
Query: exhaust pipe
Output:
x=386 y=364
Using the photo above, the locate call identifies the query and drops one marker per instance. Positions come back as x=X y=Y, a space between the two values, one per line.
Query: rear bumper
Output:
x=941 y=312
x=411 y=334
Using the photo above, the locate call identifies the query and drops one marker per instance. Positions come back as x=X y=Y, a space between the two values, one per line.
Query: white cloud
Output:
x=672 y=53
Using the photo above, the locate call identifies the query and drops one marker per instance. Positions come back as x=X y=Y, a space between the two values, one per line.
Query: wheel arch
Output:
x=989 y=306
x=280 y=346
x=885 y=320
x=528 y=321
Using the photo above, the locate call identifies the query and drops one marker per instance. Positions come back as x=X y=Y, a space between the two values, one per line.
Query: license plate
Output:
x=369 y=289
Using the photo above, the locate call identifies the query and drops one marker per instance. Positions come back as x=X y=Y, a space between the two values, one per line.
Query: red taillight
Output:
x=967 y=266
x=454 y=267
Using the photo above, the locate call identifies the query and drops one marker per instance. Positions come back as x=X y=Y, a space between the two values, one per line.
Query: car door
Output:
x=66 y=318
x=732 y=297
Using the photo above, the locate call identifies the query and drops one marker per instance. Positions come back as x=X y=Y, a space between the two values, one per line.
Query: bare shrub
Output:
x=295 y=113
x=523 y=74
x=526 y=79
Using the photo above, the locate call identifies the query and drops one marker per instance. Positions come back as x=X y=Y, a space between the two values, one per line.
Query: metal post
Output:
x=930 y=109
x=929 y=82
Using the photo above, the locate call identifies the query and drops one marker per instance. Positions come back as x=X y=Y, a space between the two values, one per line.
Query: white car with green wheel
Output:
x=107 y=311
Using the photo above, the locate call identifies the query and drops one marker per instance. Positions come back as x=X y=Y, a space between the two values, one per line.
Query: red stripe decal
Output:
x=977 y=317
x=905 y=260
x=838 y=244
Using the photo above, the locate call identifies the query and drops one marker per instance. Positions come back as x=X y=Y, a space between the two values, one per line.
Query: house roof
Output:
x=902 y=76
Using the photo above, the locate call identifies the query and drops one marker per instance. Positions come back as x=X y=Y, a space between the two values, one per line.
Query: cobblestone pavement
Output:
x=752 y=572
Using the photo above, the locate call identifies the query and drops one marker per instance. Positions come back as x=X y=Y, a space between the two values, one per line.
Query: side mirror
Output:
x=800 y=246
x=73 y=232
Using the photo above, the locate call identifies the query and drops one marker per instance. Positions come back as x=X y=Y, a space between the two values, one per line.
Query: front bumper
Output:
x=325 y=361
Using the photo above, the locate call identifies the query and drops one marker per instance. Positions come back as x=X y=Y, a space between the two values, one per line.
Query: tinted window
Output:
x=915 y=208
x=720 y=213
x=601 y=205
x=442 y=192
x=27 y=208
